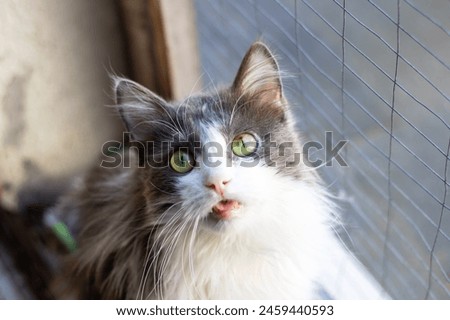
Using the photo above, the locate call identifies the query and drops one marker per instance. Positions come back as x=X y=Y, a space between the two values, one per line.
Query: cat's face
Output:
x=216 y=161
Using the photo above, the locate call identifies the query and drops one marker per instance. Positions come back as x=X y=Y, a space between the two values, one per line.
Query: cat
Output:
x=212 y=206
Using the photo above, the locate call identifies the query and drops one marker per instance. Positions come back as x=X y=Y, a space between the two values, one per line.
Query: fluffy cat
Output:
x=211 y=206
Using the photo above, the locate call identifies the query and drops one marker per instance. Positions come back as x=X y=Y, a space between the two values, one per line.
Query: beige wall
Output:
x=54 y=61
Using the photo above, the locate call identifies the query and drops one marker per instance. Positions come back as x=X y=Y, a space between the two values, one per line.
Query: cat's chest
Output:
x=239 y=273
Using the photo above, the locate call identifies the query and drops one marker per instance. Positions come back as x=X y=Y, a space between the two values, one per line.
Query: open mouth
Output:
x=224 y=209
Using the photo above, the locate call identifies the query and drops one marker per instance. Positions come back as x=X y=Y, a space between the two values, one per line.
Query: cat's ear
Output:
x=259 y=75
x=138 y=107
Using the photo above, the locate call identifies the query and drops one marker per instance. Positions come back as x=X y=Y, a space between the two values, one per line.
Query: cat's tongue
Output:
x=224 y=208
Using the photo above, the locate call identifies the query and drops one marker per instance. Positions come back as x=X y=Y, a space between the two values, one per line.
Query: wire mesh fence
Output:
x=375 y=73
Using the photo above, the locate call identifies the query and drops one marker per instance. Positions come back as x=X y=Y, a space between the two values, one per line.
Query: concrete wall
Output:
x=54 y=61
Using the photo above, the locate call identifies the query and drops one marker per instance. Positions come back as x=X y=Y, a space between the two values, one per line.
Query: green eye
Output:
x=181 y=161
x=244 y=145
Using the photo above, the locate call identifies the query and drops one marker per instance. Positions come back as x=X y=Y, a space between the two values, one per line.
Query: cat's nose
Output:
x=217 y=186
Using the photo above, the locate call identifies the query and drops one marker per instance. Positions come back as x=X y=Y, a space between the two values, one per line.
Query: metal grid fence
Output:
x=376 y=73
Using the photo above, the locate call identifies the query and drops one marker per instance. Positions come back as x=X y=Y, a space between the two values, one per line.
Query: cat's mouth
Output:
x=224 y=209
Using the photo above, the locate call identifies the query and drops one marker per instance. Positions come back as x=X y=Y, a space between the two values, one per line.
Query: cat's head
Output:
x=220 y=159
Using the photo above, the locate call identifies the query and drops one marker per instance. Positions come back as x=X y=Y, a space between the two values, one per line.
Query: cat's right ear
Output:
x=259 y=75
x=138 y=107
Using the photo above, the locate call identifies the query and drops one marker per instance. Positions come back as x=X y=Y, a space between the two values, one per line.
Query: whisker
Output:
x=169 y=225
x=148 y=254
x=190 y=259
x=167 y=255
x=217 y=93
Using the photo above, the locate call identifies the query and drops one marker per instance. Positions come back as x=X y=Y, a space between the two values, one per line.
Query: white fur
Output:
x=273 y=247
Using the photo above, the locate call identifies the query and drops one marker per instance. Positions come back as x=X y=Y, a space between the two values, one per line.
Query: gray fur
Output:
x=119 y=208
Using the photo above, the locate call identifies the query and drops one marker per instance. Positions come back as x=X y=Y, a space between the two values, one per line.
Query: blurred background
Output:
x=373 y=72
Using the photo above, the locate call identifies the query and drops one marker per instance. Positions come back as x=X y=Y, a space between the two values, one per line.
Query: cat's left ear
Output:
x=139 y=108
x=259 y=75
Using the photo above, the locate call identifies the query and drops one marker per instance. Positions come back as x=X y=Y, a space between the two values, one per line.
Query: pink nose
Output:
x=217 y=187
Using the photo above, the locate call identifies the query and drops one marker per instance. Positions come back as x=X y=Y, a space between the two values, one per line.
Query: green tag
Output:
x=63 y=234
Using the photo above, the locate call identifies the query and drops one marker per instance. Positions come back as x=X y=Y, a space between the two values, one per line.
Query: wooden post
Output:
x=162 y=45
